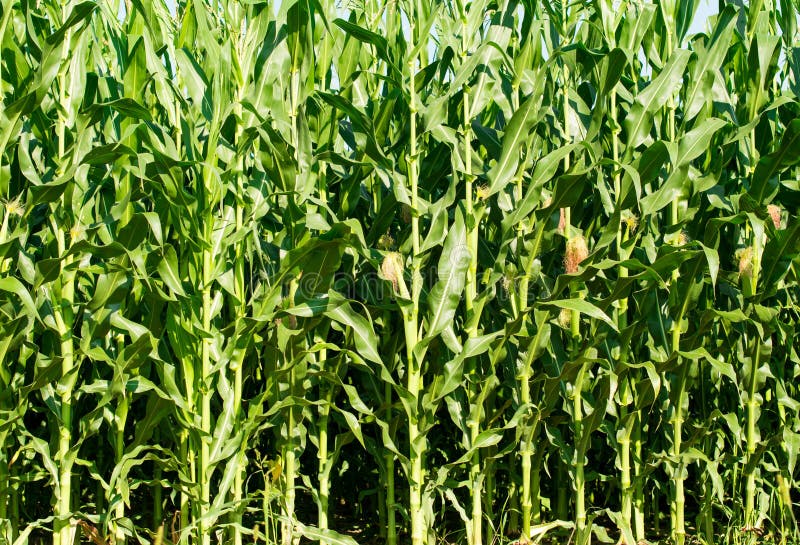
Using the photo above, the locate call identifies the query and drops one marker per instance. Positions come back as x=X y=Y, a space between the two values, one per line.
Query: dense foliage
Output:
x=398 y=270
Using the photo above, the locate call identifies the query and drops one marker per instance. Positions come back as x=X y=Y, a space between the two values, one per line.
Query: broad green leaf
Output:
x=696 y=141
x=514 y=138
x=168 y=270
x=365 y=338
x=446 y=293
x=639 y=120
x=764 y=184
x=710 y=57
x=325 y=536
x=582 y=306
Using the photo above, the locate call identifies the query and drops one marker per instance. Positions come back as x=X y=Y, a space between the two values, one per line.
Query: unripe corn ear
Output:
x=565 y=318
x=562 y=220
x=785 y=491
x=509 y=278
x=392 y=270
x=576 y=252
x=746 y=262
x=774 y=212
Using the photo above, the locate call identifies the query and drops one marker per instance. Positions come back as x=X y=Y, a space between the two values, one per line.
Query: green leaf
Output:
x=542 y=173
x=639 y=121
x=764 y=184
x=782 y=247
x=696 y=141
x=514 y=138
x=340 y=310
x=78 y=14
x=582 y=306
x=12 y=285
x=168 y=271
x=446 y=293
x=366 y=36
x=324 y=536
x=710 y=57
x=126 y=106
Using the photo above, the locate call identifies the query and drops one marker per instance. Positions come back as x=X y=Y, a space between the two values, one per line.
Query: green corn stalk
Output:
x=63 y=313
x=297 y=19
x=204 y=371
x=120 y=417
x=391 y=510
x=237 y=366
x=473 y=218
x=576 y=411
x=753 y=410
x=411 y=321
x=242 y=43
x=627 y=499
x=530 y=497
x=158 y=494
x=388 y=511
x=289 y=450
x=678 y=500
x=231 y=136
x=5 y=383
x=322 y=453
x=610 y=22
x=578 y=385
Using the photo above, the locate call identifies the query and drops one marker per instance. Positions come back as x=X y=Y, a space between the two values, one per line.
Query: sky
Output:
x=704 y=11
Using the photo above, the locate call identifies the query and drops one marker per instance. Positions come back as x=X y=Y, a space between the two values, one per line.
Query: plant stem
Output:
x=580 y=454
x=530 y=490
x=158 y=512
x=63 y=314
x=489 y=488
x=638 y=494
x=290 y=472
x=205 y=392
x=475 y=472
x=752 y=438
x=4 y=482
x=625 y=479
x=6 y=377
x=623 y=232
x=678 y=529
x=287 y=525
x=119 y=451
x=240 y=311
x=14 y=501
x=184 y=500
x=183 y=438
x=678 y=500
x=391 y=523
x=204 y=467
x=415 y=381
x=322 y=452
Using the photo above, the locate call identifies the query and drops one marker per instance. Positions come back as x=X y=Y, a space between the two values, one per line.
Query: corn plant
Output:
x=480 y=271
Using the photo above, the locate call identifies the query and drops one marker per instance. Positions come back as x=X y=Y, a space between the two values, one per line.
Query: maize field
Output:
x=399 y=272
